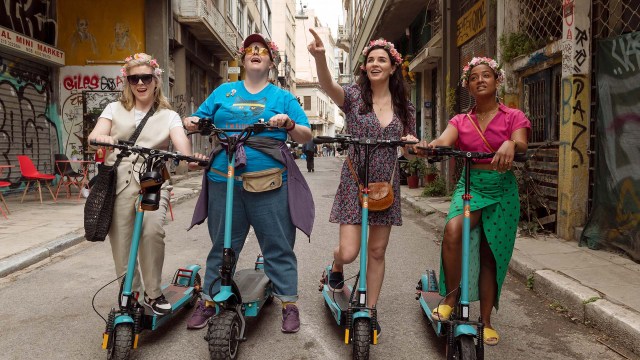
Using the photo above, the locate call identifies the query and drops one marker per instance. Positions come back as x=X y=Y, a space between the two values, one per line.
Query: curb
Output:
x=42 y=252
x=586 y=304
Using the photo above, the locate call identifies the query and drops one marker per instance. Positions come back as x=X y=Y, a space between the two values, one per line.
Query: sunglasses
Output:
x=135 y=79
x=256 y=50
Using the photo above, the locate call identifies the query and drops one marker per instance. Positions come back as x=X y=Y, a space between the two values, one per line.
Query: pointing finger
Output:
x=315 y=36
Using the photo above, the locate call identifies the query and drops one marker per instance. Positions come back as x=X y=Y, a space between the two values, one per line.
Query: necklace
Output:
x=488 y=115
x=382 y=106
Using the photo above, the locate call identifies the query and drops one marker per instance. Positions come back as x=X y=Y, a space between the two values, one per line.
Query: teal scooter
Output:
x=464 y=336
x=244 y=293
x=125 y=323
x=349 y=307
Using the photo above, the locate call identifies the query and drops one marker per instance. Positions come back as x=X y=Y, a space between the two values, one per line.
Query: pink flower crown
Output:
x=466 y=71
x=141 y=59
x=383 y=44
x=273 y=48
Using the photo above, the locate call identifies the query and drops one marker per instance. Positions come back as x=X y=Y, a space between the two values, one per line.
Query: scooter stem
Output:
x=466 y=225
x=133 y=253
x=364 y=232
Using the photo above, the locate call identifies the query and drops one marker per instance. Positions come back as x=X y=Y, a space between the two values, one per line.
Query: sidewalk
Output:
x=596 y=287
x=35 y=232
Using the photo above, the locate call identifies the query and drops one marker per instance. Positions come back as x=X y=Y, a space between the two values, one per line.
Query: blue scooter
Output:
x=464 y=336
x=247 y=291
x=349 y=310
x=125 y=323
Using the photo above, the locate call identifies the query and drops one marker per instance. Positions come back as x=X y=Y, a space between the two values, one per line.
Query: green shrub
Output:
x=435 y=188
x=516 y=44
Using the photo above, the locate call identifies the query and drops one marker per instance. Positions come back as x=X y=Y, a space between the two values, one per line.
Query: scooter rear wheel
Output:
x=122 y=342
x=464 y=348
x=197 y=283
x=223 y=334
x=361 y=338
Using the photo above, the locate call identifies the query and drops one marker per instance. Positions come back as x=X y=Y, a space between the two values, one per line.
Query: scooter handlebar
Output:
x=441 y=151
x=127 y=146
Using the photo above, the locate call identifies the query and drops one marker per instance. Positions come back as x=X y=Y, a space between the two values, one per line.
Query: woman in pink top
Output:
x=495 y=205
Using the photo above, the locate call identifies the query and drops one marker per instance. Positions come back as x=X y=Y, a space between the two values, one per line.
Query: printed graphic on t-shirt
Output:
x=248 y=109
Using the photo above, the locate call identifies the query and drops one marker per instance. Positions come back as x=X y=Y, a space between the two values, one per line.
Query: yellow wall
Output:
x=100 y=30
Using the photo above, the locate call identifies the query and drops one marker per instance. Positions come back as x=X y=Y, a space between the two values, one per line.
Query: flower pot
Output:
x=429 y=178
x=412 y=181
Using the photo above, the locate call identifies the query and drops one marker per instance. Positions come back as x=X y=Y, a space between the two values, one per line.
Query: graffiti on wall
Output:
x=575 y=104
x=615 y=219
x=91 y=30
x=26 y=124
x=32 y=18
x=74 y=80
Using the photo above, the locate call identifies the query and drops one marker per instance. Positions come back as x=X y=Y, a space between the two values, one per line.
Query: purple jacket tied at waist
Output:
x=301 y=205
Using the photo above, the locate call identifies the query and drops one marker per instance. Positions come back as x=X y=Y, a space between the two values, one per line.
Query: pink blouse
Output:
x=499 y=130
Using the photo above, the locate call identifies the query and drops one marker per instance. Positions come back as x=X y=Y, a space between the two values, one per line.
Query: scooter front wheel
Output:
x=464 y=348
x=361 y=338
x=223 y=334
x=122 y=342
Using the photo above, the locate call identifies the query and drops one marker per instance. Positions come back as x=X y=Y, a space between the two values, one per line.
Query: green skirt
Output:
x=497 y=195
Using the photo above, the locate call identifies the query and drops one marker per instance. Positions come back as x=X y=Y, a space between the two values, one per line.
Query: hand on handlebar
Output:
x=419 y=150
x=503 y=159
x=191 y=123
x=105 y=139
x=280 y=121
x=204 y=161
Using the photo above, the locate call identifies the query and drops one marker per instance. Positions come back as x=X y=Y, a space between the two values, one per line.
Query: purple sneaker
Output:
x=290 y=319
x=200 y=315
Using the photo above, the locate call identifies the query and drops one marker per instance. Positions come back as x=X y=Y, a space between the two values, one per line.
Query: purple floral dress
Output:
x=382 y=164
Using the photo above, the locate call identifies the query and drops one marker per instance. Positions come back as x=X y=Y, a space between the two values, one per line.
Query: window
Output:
x=307 y=102
x=230 y=9
x=240 y=21
x=249 y=25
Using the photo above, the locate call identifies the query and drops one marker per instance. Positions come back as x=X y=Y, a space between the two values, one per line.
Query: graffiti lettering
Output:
x=622 y=53
x=567 y=12
x=81 y=82
x=582 y=37
x=32 y=18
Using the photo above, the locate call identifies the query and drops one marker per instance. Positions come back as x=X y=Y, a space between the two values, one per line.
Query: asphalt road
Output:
x=46 y=311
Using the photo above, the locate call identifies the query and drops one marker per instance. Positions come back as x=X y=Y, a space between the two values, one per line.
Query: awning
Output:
x=429 y=56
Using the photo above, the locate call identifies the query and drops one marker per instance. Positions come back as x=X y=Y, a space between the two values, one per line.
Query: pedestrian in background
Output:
x=237 y=105
x=309 y=149
x=377 y=106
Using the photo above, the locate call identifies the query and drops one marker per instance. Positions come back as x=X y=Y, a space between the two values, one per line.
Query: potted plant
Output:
x=414 y=167
x=430 y=174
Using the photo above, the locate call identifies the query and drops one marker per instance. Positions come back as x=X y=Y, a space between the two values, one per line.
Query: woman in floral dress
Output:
x=377 y=106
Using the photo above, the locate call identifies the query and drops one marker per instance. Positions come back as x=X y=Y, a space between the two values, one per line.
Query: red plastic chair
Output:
x=4 y=184
x=31 y=174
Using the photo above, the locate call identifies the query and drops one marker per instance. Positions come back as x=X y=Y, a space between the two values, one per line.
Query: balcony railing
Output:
x=200 y=14
x=343 y=41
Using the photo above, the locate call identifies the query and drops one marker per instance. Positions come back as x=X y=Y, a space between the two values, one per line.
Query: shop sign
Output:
x=233 y=70
x=30 y=47
x=471 y=23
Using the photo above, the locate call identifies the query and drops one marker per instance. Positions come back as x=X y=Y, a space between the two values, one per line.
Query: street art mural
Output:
x=100 y=85
x=27 y=119
x=92 y=31
x=615 y=219
x=35 y=19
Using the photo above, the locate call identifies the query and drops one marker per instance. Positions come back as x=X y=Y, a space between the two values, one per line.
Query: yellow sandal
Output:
x=442 y=312
x=490 y=336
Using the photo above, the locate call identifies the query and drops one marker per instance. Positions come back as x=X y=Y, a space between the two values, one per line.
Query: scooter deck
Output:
x=252 y=284
x=338 y=302
x=177 y=296
x=430 y=300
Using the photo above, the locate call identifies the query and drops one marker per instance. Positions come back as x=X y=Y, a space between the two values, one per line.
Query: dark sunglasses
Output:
x=134 y=79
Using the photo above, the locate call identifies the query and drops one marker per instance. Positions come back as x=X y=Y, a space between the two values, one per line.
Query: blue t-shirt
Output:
x=232 y=106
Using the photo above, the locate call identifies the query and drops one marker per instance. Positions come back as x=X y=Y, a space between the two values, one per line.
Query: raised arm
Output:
x=316 y=49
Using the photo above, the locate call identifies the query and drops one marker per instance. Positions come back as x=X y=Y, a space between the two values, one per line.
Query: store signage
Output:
x=471 y=23
x=233 y=70
x=30 y=47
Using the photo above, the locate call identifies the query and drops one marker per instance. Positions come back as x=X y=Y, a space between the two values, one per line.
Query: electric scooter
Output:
x=247 y=291
x=125 y=323
x=348 y=309
x=464 y=336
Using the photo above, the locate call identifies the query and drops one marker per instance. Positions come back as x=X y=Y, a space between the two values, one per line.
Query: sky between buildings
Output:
x=328 y=11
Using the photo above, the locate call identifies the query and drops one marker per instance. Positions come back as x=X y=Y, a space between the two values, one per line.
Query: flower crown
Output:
x=466 y=71
x=141 y=59
x=273 y=48
x=383 y=44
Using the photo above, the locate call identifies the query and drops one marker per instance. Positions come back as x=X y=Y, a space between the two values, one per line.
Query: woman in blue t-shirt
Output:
x=270 y=213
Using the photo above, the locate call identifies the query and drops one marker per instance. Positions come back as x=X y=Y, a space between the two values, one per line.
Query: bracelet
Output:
x=293 y=125
x=515 y=144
